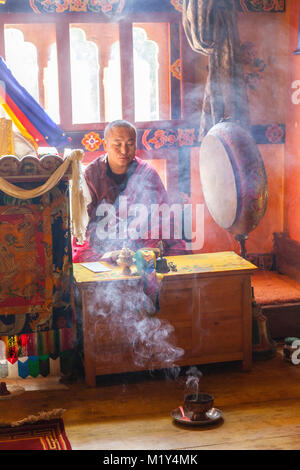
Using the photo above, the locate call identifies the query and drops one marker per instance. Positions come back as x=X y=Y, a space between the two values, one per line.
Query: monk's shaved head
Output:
x=118 y=123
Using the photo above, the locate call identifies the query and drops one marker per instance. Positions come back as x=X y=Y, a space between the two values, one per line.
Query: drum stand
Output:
x=241 y=238
x=263 y=346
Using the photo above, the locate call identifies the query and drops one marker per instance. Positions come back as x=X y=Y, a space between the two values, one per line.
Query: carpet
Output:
x=41 y=435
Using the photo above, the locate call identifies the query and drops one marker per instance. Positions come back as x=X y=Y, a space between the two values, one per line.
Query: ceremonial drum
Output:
x=233 y=178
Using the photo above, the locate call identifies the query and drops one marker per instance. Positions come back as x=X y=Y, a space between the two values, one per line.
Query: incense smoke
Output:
x=148 y=339
x=192 y=382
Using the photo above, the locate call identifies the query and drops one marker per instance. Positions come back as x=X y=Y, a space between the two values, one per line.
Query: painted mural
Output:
x=60 y=6
x=126 y=6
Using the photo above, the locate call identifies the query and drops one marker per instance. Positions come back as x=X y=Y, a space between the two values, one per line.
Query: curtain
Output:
x=211 y=29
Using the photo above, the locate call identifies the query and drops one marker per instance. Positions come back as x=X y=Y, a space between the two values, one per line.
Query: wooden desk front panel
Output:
x=177 y=307
x=207 y=314
x=210 y=317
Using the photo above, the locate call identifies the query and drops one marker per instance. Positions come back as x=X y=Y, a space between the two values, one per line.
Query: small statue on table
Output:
x=125 y=260
x=161 y=262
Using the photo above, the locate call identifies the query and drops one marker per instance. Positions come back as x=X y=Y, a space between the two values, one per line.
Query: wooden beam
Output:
x=64 y=73
x=127 y=78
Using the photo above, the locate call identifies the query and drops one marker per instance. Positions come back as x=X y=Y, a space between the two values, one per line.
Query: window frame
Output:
x=62 y=23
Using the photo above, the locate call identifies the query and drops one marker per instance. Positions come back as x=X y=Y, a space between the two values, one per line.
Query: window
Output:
x=95 y=72
x=51 y=85
x=87 y=69
x=85 y=74
x=151 y=71
x=84 y=78
x=25 y=70
x=145 y=60
x=112 y=85
x=31 y=55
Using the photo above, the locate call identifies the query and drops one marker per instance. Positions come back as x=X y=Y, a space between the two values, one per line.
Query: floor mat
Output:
x=42 y=435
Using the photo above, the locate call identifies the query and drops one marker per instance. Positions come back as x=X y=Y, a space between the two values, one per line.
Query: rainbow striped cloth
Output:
x=27 y=115
x=42 y=353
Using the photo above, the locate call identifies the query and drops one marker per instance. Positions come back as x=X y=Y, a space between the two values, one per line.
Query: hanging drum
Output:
x=233 y=179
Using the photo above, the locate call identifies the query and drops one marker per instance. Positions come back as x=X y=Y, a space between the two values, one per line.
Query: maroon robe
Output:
x=140 y=185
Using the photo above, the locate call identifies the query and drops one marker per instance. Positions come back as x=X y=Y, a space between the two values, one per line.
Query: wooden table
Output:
x=207 y=302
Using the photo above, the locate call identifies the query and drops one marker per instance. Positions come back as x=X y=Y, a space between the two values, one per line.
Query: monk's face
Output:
x=120 y=145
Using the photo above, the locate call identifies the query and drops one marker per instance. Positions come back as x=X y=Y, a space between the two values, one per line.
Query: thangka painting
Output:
x=26 y=280
x=36 y=320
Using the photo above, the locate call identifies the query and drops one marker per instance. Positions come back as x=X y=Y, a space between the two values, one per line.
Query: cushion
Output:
x=271 y=287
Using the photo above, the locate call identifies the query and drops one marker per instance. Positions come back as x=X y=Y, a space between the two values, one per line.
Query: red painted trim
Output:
x=188 y=80
x=34 y=8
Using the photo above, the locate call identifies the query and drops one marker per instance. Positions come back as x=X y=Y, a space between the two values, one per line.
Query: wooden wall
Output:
x=264 y=37
x=292 y=151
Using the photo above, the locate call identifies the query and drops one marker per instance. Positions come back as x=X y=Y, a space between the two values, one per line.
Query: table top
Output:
x=187 y=265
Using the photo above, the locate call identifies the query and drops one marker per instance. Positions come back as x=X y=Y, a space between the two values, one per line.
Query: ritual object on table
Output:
x=146 y=266
x=125 y=260
x=111 y=256
x=172 y=266
x=161 y=262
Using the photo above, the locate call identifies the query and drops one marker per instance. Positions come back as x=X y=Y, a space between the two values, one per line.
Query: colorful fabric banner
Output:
x=34 y=366
x=3 y=369
x=44 y=365
x=41 y=343
x=23 y=367
x=27 y=115
x=13 y=370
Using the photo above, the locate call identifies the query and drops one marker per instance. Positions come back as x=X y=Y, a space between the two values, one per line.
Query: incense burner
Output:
x=125 y=260
x=197 y=405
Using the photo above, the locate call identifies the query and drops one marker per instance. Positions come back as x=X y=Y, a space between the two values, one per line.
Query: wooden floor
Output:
x=261 y=410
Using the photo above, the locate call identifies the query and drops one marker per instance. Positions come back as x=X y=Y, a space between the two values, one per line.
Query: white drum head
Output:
x=219 y=186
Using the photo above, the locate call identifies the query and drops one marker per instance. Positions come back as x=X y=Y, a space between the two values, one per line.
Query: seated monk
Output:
x=123 y=190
